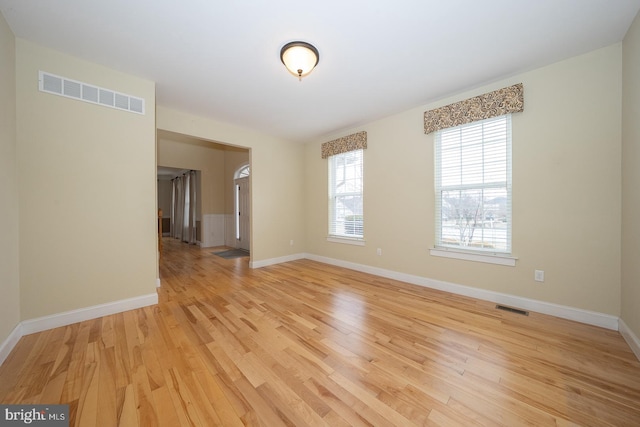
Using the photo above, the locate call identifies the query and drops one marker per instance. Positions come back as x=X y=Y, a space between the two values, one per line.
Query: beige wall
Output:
x=9 y=267
x=276 y=181
x=197 y=155
x=165 y=190
x=631 y=178
x=87 y=178
x=566 y=190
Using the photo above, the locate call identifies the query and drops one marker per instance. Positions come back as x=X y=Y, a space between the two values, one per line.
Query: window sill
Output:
x=346 y=240
x=489 y=258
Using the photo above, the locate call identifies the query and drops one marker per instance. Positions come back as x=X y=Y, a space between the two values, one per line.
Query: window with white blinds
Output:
x=346 y=218
x=473 y=186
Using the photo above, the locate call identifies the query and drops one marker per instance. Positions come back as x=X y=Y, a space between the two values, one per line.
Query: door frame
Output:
x=242 y=209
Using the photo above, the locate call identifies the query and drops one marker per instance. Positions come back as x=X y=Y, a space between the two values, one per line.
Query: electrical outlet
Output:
x=538 y=275
x=379 y=251
x=290 y=242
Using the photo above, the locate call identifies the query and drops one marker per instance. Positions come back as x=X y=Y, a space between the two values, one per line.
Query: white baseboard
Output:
x=565 y=312
x=631 y=338
x=10 y=342
x=279 y=260
x=40 y=324
x=74 y=316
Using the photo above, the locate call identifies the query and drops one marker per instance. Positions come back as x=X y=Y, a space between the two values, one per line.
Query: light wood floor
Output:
x=304 y=343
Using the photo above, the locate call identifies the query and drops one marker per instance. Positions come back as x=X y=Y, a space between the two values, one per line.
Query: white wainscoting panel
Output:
x=230 y=231
x=212 y=230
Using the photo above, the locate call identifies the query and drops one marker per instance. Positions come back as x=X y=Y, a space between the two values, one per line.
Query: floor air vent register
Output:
x=80 y=91
x=512 y=310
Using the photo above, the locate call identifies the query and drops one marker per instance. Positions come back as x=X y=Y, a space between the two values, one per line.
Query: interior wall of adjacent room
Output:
x=631 y=177
x=201 y=156
x=566 y=190
x=165 y=194
x=9 y=216
x=277 y=192
x=87 y=178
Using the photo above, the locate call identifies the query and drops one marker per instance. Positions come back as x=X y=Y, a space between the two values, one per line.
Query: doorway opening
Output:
x=179 y=193
x=242 y=207
x=218 y=166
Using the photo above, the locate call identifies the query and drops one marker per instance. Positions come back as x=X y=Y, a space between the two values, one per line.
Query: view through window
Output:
x=473 y=186
x=346 y=195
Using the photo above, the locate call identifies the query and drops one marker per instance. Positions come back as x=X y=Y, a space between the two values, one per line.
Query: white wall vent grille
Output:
x=68 y=88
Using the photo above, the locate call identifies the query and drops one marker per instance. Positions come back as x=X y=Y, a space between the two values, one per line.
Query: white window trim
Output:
x=240 y=171
x=339 y=238
x=477 y=256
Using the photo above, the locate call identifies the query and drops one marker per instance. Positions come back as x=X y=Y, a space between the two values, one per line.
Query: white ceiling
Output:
x=220 y=59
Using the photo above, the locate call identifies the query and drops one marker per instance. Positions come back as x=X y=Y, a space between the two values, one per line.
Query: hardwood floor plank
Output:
x=107 y=414
x=338 y=399
x=87 y=413
x=182 y=400
x=127 y=414
x=304 y=343
x=76 y=364
x=53 y=389
x=262 y=413
x=167 y=415
x=220 y=403
x=367 y=398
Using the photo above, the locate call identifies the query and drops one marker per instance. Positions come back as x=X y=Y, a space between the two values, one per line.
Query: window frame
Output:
x=334 y=235
x=242 y=172
x=461 y=251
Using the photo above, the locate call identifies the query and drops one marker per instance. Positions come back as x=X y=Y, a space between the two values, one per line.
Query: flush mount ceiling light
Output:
x=300 y=58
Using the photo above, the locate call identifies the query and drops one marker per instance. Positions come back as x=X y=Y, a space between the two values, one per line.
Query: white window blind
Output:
x=473 y=186
x=346 y=195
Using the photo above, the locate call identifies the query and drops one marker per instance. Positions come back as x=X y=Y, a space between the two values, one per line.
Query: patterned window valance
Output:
x=493 y=104
x=355 y=141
